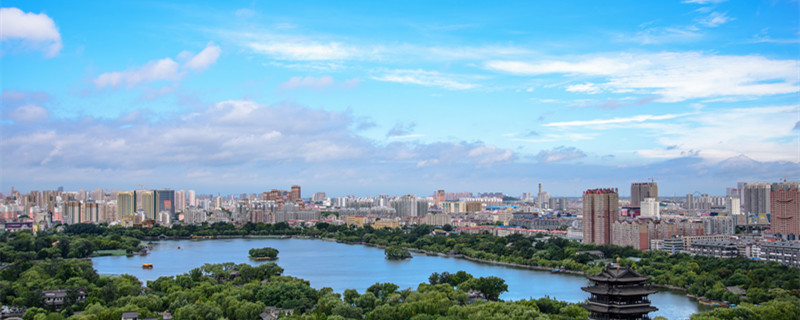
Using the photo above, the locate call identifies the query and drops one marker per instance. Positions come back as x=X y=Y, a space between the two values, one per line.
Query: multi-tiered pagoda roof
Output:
x=619 y=293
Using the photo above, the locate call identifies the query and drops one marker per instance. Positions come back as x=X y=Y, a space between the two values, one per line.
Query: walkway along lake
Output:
x=345 y=266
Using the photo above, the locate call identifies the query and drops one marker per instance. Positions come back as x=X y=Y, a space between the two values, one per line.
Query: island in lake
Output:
x=266 y=253
x=397 y=253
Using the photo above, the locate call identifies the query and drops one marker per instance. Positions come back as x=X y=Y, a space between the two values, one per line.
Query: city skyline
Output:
x=372 y=98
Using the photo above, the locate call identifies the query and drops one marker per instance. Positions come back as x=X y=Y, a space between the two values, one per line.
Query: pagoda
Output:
x=618 y=293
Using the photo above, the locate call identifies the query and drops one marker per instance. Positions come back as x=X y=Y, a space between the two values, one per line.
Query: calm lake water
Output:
x=343 y=266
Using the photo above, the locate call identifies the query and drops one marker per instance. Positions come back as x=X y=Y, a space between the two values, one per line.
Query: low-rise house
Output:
x=58 y=298
x=272 y=313
x=130 y=315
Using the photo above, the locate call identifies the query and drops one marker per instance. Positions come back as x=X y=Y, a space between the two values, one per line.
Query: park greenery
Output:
x=396 y=253
x=266 y=252
x=45 y=261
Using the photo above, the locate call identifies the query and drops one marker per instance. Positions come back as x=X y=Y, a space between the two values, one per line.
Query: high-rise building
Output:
x=650 y=208
x=274 y=195
x=91 y=211
x=73 y=211
x=600 y=210
x=192 y=199
x=689 y=204
x=785 y=209
x=474 y=206
x=294 y=195
x=439 y=196
x=146 y=201
x=757 y=197
x=406 y=206
x=544 y=200
x=165 y=201
x=732 y=205
x=125 y=204
x=98 y=195
x=742 y=200
x=642 y=190
x=527 y=196
x=318 y=197
x=450 y=207
x=180 y=200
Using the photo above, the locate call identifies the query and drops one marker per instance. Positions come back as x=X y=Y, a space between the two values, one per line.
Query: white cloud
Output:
x=29 y=113
x=715 y=19
x=229 y=136
x=317 y=83
x=761 y=133
x=588 y=87
x=559 y=154
x=674 y=77
x=304 y=50
x=205 y=58
x=660 y=35
x=164 y=69
x=424 y=78
x=35 y=30
x=613 y=121
x=556 y=137
x=487 y=155
x=592 y=66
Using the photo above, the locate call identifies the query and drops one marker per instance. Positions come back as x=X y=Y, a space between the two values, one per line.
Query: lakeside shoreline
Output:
x=663 y=287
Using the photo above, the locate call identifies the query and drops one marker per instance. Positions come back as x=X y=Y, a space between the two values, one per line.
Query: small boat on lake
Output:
x=147 y=266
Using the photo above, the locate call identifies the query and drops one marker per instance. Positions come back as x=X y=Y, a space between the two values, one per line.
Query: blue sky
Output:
x=365 y=98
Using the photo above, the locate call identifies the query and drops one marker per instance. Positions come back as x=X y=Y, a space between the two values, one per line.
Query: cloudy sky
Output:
x=370 y=97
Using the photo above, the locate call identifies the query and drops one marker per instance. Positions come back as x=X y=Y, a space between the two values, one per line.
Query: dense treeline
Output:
x=230 y=291
x=763 y=282
x=75 y=242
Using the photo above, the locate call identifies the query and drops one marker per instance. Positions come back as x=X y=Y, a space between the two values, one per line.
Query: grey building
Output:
x=786 y=253
x=756 y=196
x=165 y=201
x=641 y=190
x=719 y=249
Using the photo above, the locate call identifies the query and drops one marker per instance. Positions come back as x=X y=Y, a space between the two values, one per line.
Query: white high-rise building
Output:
x=180 y=200
x=732 y=205
x=651 y=208
x=192 y=199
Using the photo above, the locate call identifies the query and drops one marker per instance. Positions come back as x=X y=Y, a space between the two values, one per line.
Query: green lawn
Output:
x=100 y=253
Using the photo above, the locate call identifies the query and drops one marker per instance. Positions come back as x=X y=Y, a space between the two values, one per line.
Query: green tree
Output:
x=397 y=253
x=266 y=252
x=491 y=286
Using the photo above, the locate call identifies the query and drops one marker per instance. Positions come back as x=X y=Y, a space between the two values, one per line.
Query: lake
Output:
x=344 y=266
